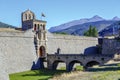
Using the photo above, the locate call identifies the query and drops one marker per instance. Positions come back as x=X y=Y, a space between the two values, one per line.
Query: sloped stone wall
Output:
x=3 y=73
x=18 y=52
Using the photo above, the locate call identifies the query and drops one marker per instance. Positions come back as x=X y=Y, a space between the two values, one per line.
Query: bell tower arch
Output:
x=27 y=15
x=27 y=18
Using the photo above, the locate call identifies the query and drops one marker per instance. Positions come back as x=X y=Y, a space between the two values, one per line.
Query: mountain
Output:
x=116 y=18
x=76 y=22
x=113 y=29
x=4 y=25
x=80 y=29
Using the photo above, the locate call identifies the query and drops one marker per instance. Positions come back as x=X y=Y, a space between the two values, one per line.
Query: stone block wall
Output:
x=17 y=52
x=69 y=44
x=3 y=73
x=111 y=46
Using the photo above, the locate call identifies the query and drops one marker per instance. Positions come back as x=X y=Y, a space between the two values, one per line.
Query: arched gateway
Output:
x=42 y=51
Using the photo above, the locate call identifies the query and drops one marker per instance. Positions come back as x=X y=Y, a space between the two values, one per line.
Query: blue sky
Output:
x=58 y=11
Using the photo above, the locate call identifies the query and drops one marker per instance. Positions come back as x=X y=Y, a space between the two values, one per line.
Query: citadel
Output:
x=34 y=47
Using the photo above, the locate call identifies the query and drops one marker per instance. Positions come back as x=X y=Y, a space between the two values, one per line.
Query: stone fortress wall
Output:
x=17 y=52
x=18 y=49
x=69 y=44
x=3 y=73
x=21 y=50
x=111 y=46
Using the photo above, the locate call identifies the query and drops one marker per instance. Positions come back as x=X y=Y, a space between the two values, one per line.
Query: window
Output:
x=38 y=27
x=35 y=27
x=26 y=16
x=44 y=36
x=43 y=27
x=29 y=16
x=33 y=17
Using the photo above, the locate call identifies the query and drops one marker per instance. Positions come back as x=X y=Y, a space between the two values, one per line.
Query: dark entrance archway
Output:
x=72 y=63
x=55 y=64
x=42 y=51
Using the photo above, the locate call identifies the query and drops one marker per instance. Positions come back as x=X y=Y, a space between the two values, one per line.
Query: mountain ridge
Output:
x=5 y=25
x=78 y=22
x=112 y=29
x=80 y=29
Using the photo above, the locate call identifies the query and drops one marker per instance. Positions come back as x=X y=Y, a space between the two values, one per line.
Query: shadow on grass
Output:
x=44 y=72
x=103 y=69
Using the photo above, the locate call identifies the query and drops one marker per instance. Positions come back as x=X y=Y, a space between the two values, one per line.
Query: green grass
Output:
x=79 y=68
x=62 y=68
x=35 y=75
x=96 y=73
x=118 y=65
x=107 y=75
x=101 y=74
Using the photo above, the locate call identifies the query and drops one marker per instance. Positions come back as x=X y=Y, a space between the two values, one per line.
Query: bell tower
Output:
x=38 y=27
x=27 y=18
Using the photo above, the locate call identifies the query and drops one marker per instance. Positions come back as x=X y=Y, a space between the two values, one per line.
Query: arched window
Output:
x=29 y=16
x=38 y=27
x=35 y=27
x=26 y=16
x=43 y=27
x=33 y=17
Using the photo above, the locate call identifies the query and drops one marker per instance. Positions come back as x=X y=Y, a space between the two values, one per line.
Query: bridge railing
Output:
x=95 y=55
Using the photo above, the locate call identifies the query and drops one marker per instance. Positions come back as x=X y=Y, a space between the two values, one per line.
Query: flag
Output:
x=43 y=15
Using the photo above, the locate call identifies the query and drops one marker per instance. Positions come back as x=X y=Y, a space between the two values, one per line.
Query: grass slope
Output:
x=108 y=75
x=95 y=73
x=35 y=75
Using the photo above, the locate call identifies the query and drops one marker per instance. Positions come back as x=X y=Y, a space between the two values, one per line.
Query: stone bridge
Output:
x=71 y=59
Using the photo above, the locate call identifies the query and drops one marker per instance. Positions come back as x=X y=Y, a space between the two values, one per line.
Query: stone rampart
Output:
x=111 y=46
x=70 y=44
x=17 y=50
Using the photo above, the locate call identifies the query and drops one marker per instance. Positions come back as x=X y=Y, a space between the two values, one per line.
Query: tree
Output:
x=95 y=32
x=92 y=31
